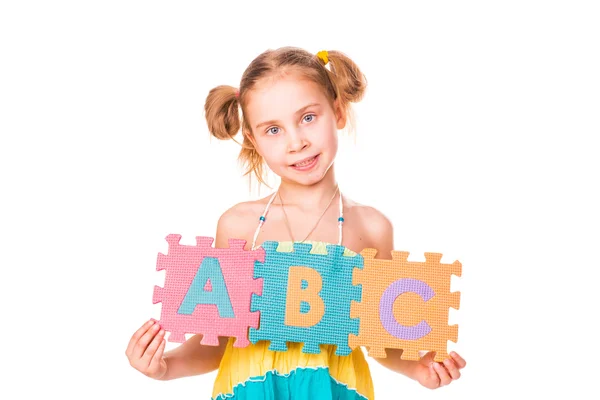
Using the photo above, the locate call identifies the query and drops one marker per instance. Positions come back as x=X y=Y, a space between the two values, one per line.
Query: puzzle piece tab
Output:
x=208 y=290
x=405 y=305
x=306 y=298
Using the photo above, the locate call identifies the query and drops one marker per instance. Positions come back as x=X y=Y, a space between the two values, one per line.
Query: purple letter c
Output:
x=386 y=308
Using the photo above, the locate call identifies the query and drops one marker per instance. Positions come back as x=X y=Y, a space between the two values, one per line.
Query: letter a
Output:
x=210 y=269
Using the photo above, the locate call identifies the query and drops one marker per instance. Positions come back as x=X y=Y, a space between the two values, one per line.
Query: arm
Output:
x=193 y=358
x=426 y=371
x=382 y=239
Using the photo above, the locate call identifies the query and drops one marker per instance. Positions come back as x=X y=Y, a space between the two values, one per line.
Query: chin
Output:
x=308 y=179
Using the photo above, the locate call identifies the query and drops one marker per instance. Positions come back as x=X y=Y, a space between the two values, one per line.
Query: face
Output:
x=294 y=128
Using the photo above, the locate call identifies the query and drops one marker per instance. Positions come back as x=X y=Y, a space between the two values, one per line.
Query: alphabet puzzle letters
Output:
x=334 y=297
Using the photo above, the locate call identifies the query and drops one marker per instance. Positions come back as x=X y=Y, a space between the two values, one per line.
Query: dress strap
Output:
x=341 y=220
x=262 y=219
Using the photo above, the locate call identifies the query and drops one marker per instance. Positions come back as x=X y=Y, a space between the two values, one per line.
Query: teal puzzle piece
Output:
x=337 y=293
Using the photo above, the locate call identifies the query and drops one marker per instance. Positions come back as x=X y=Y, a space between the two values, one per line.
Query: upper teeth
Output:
x=305 y=162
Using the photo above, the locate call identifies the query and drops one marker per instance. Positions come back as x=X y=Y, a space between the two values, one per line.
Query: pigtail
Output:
x=350 y=82
x=222 y=112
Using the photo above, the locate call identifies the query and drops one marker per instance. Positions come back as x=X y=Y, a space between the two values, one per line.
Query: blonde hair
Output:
x=343 y=80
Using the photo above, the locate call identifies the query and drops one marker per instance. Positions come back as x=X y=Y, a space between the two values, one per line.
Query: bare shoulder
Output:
x=371 y=218
x=239 y=222
x=377 y=227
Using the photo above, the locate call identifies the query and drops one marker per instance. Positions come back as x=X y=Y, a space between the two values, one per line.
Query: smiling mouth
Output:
x=306 y=163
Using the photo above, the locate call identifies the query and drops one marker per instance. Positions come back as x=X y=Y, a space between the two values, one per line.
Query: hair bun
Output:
x=221 y=110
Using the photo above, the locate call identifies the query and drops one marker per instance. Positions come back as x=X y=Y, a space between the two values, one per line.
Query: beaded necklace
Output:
x=263 y=218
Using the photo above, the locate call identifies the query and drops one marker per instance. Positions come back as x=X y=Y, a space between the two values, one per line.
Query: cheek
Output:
x=333 y=146
x=271 y=152
x=330 y=140
x=331 y=133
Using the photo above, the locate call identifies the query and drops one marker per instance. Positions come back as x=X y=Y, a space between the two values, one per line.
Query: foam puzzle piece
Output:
x=208 y=290
x=315 y=308
x=405 y=305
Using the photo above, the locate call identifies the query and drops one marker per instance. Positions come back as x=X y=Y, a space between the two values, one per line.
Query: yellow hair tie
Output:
x=323 y=56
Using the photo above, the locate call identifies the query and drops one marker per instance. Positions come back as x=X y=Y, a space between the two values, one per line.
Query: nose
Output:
x=296 y=141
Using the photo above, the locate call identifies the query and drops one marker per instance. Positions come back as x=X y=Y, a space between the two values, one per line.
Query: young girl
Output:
x=292 y=106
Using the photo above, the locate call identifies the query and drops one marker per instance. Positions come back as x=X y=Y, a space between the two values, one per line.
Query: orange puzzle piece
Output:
x=405 y=305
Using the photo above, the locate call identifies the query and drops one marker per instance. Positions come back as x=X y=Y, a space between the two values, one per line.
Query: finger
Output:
x=159 y=352
x=429 y=356
x=445 y=378
x=433 y=377
x=157 y=358
x=136 y=336
x=140 y=347
x=152 y=347
x=460 y=362
x=452 y=368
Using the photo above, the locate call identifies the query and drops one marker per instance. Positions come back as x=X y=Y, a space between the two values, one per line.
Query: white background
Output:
x=476 y=137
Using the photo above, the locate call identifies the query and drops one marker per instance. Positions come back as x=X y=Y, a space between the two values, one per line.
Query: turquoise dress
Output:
x=255 y=372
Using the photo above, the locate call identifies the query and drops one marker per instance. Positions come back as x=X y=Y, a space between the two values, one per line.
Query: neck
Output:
x=313 y=196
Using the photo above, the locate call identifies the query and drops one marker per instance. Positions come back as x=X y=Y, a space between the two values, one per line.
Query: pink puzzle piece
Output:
x=187 y=286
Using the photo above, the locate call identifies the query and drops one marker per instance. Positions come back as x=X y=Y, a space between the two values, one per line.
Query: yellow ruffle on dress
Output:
x=255 y=372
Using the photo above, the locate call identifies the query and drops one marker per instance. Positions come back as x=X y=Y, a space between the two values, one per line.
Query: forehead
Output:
x=280 y=97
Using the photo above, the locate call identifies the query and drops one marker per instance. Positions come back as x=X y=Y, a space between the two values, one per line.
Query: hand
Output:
x=433 y=375
x=145 y=350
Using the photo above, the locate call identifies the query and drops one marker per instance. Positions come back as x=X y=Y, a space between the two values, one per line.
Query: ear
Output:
x=340 y=115
x=251 y=138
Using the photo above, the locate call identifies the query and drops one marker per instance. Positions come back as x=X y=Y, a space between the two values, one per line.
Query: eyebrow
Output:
x=300 y=111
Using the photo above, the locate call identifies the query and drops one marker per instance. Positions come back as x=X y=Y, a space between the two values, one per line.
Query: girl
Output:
x=292 y=107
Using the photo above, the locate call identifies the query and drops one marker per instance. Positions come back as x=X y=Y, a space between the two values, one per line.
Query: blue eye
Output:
x=307 y=118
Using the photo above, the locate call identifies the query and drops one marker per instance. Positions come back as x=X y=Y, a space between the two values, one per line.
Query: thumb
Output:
x=432 y=370
x=428 y=358
x=433 y=376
